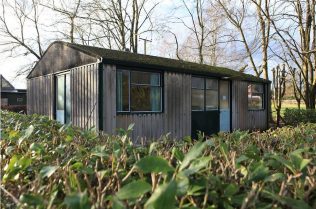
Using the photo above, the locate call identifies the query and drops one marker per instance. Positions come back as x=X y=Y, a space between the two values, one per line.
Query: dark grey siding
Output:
x=59 y=57
x=40 y=96
x=109 y=99
x=242 y=118
x=84 y=95
x=175 y=118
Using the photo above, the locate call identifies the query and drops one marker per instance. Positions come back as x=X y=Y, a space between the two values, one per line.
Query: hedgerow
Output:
x=46 y=165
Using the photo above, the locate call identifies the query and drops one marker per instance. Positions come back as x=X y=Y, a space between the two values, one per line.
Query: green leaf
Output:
x=198 y=164
x=130 y=127
x=47 y=171
x=31 y=199
x=77 y=201
x=153 y=164
x=27 y=133
x=284 y=162
x=163 y=197
x=230 y=190
x=274 y=177
x=259 y=173
x=194 y=152
x=304 y=163
x=133 y=190
x=178 y=154
x=99 y=151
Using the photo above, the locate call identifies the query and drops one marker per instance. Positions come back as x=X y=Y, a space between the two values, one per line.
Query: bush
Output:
x=297 y=116
x=15 y=108
x=46 y=165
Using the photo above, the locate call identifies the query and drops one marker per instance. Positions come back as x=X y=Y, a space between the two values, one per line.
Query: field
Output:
x=46 y=165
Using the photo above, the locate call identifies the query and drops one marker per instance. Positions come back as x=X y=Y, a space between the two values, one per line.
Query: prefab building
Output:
x=108 y=89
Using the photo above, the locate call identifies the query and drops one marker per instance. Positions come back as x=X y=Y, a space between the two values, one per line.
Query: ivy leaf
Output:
x=153 y=164
x=133 y=190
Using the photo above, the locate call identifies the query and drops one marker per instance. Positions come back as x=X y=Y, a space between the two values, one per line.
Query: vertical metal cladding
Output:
x=84 y=95
x=242 y=118
x=174 y=119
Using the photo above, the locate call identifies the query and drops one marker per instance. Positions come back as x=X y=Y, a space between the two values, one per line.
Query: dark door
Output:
x=205 y=112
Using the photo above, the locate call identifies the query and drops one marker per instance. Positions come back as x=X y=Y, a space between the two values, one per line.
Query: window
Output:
x=255 y=96
x=4 y=101
x=63 y=102
x=138 y=91
x=204 y=94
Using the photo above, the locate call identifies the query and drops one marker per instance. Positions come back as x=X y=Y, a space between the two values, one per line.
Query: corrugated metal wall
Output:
x=176 y=116
x=242 y=118
x=40 y=96
x=84 y=95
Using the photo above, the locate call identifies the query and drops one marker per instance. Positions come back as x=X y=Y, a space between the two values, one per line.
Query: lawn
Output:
x=290 y=104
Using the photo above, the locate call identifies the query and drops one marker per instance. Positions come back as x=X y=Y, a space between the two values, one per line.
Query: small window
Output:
x=211 y=94
x=255 y=96
x=204 y=94
x=138 y=91
x=19 y=99
x=4 y=101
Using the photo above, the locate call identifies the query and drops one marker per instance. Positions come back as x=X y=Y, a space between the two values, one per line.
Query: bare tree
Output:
x=125 y=20
x=20 y=30
x=70 y=17
x=237 y=16
x=279 y=80
x=299 y=44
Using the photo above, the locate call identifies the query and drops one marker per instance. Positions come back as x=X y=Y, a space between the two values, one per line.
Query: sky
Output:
x=10 y=65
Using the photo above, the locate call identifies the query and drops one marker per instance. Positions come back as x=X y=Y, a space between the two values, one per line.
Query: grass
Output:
x=290 y=104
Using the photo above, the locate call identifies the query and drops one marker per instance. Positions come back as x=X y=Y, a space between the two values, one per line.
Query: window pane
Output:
x=224 y=95
x=145 y=78
x=255 y=88
x=4 y=101
x=197 y=99
x=68 y=100
x=211 y=99
x=122 y=91
x=211 y=84
x=255 y=101
x=197 y=83
x=145 y=98
x=60 y=106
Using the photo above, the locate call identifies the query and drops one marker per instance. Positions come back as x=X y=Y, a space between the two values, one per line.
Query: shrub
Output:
x=296 y=116
x=15 y=108
x=46 y=165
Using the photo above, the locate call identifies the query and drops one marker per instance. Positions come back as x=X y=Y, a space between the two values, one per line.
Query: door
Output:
x=224 y=107
x=63 y=102
x=205 y=111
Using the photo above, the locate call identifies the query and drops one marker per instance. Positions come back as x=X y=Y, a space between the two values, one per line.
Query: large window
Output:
x=63 y=102
x=138 y=91
x=255 y=96
x=204 y=94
